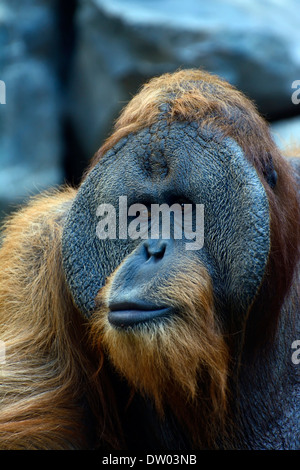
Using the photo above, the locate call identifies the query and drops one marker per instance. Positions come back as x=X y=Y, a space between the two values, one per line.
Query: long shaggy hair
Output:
x=182 y=362
x=47 y=376
x=37 y=406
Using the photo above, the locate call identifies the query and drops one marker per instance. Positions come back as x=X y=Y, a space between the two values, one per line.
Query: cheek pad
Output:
x=216 y=174
x=88 y=260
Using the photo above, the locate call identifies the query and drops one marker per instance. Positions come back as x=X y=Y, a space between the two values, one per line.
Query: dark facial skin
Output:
x=169 y=164
x=128 y=305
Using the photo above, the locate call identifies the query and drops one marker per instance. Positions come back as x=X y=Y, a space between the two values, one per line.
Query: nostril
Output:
x=156 y=249
x=161 y=251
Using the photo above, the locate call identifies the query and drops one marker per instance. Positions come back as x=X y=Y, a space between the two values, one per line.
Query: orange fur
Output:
x=40 y=379
x=182 y=362
x=49 y=377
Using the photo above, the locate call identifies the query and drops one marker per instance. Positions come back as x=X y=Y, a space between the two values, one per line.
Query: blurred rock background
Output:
x=69 y=67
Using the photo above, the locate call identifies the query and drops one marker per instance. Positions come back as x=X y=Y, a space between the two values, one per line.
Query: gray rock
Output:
x=30 y=141
x=252 y=43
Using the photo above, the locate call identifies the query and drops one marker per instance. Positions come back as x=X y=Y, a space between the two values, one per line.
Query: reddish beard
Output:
x=181 y=362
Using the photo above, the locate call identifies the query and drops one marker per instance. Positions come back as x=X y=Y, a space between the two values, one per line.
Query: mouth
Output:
x=129 y=314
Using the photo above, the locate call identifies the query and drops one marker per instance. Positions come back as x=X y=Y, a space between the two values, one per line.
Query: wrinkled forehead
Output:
x=173 y=157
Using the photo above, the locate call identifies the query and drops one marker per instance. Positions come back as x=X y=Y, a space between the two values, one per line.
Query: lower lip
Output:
x=128 y=318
